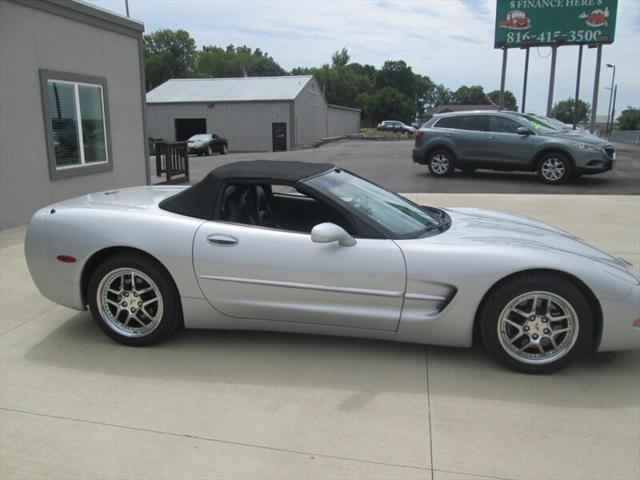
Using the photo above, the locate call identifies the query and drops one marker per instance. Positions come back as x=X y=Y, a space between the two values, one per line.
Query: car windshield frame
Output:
x=387 y=212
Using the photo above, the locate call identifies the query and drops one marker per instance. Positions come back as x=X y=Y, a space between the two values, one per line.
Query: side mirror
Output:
x=330 y=232
x=523 y=131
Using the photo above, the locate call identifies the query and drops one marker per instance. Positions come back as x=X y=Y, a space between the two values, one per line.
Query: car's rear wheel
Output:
x=133 y=300
x=441 y=163
x=536 y=323
x=555 y=168
x=223 y=149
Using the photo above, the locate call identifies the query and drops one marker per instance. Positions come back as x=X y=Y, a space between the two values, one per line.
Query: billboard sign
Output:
x=521 y=23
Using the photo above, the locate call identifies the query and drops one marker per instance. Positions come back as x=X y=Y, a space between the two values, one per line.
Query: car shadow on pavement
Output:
x=366 y=367
x=528 y=178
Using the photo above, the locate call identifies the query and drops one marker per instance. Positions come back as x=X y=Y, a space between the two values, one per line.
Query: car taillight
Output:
x=419 y=134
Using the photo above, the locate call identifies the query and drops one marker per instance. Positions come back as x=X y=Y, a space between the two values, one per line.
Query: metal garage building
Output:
x=255 y=114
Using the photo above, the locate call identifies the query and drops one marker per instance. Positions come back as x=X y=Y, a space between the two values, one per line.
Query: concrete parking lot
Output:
x=207 y=404
x=389 y=164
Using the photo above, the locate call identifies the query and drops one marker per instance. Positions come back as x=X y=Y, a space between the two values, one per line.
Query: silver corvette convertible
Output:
x=311 y=248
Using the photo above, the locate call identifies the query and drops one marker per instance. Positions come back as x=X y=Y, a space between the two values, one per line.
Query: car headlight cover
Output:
x=586 y=146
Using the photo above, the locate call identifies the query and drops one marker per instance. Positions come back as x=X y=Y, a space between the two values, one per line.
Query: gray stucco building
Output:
x=255 y=114
x=72 y=118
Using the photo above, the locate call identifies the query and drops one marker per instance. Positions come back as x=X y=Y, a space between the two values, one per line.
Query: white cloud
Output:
x=449 y=40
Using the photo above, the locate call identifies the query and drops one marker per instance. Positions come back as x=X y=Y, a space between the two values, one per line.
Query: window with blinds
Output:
x=77 y=117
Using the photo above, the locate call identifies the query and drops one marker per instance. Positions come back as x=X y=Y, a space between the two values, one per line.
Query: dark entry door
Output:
x=188 y=127
x=279 y=136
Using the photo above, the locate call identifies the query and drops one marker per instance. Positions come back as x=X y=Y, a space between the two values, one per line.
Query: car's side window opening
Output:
x=276 y=206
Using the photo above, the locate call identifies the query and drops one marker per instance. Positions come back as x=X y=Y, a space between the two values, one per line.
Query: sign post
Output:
x=504 y=77
x=526 y=76
x=596 y=85
x=577 y=97
x=552 y=79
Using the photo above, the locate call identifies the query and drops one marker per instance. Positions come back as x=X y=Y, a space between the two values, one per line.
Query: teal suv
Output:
x=509 y=141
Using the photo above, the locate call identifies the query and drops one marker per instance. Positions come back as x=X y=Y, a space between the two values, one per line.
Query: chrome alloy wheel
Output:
x=538 y=327
x=553 y=169
x=440 y=163
x=129 y=302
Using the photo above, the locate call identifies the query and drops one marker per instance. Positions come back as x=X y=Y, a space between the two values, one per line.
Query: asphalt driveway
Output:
x=389 y=164
x=207 y=404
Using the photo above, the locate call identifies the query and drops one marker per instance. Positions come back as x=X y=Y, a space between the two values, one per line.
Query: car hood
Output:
x=490 y=227
x=582 y=137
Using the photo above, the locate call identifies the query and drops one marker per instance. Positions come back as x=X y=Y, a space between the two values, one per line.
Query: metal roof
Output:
x=243 y=89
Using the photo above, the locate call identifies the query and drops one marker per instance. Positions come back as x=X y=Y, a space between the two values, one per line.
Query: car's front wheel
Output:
x=555 y=168
x=209 y=150
x=133 y=300
x=441 y=163
x=536 y=323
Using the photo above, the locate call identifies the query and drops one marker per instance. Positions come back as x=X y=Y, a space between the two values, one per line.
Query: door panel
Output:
x=279 y=136
x=275 y=275
x=504 y=146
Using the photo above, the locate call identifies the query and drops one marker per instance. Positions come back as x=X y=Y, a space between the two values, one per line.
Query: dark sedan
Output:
x=207 y=144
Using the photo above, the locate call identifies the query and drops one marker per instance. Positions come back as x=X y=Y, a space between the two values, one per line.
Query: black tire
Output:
x=575 y=343
x=555 y=168
x=223 y=149
x=441 y=163
x=171 y=315
x=209 y=150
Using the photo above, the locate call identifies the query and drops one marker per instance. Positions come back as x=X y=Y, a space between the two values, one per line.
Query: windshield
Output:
x=386 y=209
x=538 y=125
x=199 y=138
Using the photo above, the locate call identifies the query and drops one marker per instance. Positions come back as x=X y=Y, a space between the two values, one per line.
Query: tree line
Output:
x=393 y=91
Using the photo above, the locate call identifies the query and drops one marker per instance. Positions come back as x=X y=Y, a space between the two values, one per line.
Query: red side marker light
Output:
x=66 y=259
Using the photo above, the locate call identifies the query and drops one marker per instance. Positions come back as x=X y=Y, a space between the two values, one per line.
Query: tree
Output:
x=234 y=61
x=442 y=96
x=340 y=58
x=473 y=95
x=565 y=109
x=510 y=102
x=629 y=119
x=397 y=74
x=168 y=54
x=385 y=104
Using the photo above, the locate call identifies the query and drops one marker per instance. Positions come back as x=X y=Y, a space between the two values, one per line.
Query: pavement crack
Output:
x=215 y=440
x=426 y=362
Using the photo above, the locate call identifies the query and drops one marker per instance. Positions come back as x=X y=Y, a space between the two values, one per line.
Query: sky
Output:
x=451 y=41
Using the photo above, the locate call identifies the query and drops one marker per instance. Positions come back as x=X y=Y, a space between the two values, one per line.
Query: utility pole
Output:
x=613 y=78
x=613 y=109
x=126 y=5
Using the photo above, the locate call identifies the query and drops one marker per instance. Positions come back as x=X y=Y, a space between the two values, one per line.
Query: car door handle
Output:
x=492 y=137
x=449 y=134
x=221 y=240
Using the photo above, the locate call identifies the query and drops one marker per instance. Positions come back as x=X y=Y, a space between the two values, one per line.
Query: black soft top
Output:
x=200 y=200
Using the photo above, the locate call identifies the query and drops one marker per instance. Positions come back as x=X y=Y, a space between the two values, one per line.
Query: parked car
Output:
x=207 y=144
x=340 y=256
x=395 y=126
x=508 y=141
